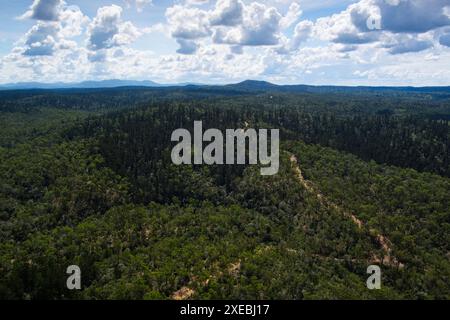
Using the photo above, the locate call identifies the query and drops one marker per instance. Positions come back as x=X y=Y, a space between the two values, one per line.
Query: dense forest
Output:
x=86 y=179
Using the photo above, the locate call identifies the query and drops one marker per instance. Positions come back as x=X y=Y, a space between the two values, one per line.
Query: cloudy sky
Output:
x=341 y=42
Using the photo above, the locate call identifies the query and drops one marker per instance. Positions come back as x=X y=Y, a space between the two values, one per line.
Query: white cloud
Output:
x=46 y=10
x=72 y=22
x=413 y=15
x=406 y=43
x=292 y=16
x=45 y=37
x=260 y=27
x=107 y=30
x=188 y=23
x=230 y=22
x=227 y=13
x=40 y=39
x=187 y=46
x=302 y=32
x=394 y=24
x=340 y=27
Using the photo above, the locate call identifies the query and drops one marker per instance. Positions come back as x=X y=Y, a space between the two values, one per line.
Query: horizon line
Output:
x=5 y=86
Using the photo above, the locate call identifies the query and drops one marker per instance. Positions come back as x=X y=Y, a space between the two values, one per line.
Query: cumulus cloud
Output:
x=398 y=16
x=356 y=38
x=293 y=14
x=43 y=48
x=302 y=32
x=260 y=27
x=350 y=25
x=40 y=39
x=46 y=37
x=107 y=30
x=413 y=15
x=45 y=10
x=104 y=27
x=406 y=44
x=227 y=13
x=72 y=22
x=230 y=22
x=187 y=46
x=188 y=23
x=374 y=21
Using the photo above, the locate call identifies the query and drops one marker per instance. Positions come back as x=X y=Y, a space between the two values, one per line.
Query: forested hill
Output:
x=252 y=85
x=86 y=179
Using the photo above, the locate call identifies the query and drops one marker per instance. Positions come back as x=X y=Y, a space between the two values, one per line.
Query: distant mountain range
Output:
x=252 y=85
x=248 y=85
x=81 y=85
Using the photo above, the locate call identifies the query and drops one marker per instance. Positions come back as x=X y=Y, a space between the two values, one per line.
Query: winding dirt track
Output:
x=388 y=259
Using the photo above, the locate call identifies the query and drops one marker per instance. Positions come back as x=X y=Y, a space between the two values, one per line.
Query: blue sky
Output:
x=341 y=42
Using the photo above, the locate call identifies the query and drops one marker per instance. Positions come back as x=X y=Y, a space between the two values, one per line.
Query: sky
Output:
x=317 y=42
